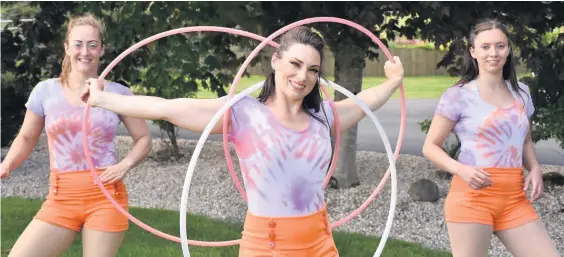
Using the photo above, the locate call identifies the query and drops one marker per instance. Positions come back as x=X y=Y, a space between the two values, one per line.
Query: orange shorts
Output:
x=304 y=236
x=75 y=201
x=504 y=204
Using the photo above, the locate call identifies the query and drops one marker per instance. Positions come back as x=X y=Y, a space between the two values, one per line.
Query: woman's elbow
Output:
x=145 y=142
x=425 y=150
x=428 y=148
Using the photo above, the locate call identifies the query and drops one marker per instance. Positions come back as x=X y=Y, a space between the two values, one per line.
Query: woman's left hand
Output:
x=114 y=173
x=535 y=179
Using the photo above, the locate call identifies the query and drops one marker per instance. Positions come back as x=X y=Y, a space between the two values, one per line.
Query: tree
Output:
x=30 y=52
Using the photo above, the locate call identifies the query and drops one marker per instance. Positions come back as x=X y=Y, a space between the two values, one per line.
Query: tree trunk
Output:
x=349 y=63
x=171 y=132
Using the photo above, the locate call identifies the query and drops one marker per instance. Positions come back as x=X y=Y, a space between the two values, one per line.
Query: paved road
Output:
x=368 y=139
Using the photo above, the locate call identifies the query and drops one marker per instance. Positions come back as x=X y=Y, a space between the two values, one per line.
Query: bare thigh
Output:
x=42 y=239
x=529 y=240
x=469 y=239
x=101 y=244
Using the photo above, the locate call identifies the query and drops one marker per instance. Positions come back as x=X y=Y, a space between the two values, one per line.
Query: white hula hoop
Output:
x=219 y=114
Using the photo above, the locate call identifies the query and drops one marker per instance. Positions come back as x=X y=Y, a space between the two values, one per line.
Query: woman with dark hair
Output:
x=282 y=142
x=490 y=112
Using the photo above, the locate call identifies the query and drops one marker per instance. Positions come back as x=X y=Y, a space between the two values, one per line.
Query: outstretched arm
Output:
x=186 y=113
x=348 y=110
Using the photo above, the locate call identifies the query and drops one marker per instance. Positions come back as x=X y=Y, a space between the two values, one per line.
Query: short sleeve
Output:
x=35 y=100
x=528 y=99
x=238 y=115
x=449 y=105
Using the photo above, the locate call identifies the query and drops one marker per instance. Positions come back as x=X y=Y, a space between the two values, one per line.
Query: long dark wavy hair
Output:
x=469 y=70
x=306 y=36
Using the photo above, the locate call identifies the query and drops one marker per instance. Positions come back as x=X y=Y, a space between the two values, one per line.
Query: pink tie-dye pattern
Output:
x=288 y=167
x=63 y=126
x=496 y=133
x=490 y=136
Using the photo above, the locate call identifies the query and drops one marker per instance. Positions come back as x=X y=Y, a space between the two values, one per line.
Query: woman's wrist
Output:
x=128 y=163
x=453 y=166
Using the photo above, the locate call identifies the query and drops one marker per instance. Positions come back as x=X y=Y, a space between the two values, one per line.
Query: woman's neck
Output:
x=289 y=106
x=77 y=80
x=491 y=81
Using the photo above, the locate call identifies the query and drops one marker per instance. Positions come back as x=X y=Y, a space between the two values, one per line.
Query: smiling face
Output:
x=491 y=48
x=84 y=48
x=296 y=71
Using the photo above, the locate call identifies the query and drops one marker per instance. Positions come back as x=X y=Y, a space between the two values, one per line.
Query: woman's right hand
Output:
x=92 y=90
x=476 y=178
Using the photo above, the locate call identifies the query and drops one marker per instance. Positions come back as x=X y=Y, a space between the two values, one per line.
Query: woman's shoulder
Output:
x=245 y=100
x=524 y=87
x=116 y=87
x=47 y=86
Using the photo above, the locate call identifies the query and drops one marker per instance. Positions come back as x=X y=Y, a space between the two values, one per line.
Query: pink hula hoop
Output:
x=85 y=125
x=402 y=115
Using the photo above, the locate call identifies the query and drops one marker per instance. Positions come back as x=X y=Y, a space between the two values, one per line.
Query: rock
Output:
x=444 y=174
x=424 y=190
x=552 y=179
x=443 y=192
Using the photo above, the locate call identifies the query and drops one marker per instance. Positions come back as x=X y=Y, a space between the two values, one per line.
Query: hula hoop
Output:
x=399 y=143
x=184 y=204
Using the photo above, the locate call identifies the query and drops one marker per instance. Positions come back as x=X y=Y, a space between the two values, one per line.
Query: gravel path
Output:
x=159 y=185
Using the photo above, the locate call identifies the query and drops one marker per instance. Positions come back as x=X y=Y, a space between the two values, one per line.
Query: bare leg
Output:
x=469 y=239
x=101 y=244
x=42 y=239
x=529 y=240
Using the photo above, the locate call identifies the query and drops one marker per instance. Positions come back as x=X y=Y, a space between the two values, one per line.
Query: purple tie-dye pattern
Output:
x=63 y=126
x=290 y=165
x=490 y=136
x=301 y=194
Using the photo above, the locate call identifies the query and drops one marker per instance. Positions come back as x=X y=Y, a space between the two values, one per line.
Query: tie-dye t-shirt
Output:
x=490 y=136
x=63 y=126
x=283 y=169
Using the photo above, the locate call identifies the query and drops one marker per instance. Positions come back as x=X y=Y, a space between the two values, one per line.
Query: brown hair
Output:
x=86 y=19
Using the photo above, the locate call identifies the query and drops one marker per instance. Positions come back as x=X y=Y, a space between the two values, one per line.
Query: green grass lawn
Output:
x=18 y=212
x=415 y=87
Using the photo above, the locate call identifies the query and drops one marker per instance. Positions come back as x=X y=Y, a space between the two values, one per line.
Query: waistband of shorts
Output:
x=299 y=232
x=76 y=184
x=502 y=171
x=504 y=181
